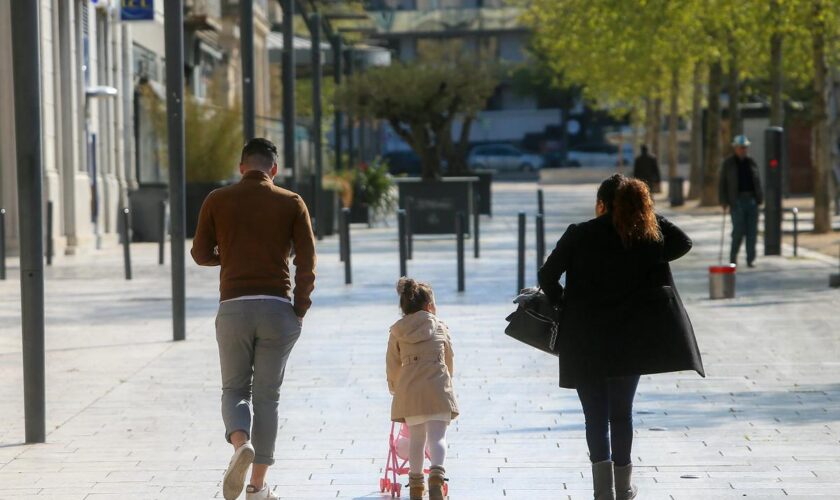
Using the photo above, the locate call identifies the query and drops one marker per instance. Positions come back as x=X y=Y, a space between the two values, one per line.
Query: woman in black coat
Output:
x=621 y=318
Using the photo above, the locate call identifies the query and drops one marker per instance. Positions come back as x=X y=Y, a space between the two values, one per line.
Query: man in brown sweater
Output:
x=249 y=229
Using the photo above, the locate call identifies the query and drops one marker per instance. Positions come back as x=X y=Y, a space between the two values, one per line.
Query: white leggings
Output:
x=432 y=432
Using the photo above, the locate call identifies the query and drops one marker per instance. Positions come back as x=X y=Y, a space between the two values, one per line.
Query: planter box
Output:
x=144 y=203
x=196 y=193
x=359 y=211
x=436 y=203
x=329 y=206
x=484 y=190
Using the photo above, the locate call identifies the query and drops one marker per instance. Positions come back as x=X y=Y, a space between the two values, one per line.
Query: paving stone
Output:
x=131 y=414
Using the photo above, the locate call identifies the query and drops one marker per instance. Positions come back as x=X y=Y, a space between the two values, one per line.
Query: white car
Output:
x=503 y=158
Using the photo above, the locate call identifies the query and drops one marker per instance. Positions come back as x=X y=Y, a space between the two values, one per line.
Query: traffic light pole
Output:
x=27 y=92
x=246 y=39
x=174 y=42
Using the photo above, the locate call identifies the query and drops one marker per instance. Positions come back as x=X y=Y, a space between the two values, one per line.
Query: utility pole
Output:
x=317 y=125
x=174 y=43
x=338 y=55
x=27 y=92
x=246 y=40
x=288 y=7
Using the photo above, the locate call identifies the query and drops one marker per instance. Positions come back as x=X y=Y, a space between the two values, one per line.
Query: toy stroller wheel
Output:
x=381 y=485
x=397 y=490
x=445 y=490
x=387 y=485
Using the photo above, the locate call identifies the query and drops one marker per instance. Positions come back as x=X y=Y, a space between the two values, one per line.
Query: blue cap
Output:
x=741 y=140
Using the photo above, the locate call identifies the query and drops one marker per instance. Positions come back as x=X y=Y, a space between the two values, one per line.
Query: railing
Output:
x=447 y=20
x=209 y=8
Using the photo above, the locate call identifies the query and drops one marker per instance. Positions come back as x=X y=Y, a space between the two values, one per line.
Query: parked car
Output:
x=503 y=158
x=555 y=159
x=403 y=163
x=600 y=155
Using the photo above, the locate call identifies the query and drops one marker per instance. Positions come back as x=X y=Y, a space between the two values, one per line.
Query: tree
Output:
x=421 y=101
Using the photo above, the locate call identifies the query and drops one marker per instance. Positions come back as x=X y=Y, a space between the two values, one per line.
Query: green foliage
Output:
x=213 y=140
x=212 y=136
x=420 y=101
x=377 y=187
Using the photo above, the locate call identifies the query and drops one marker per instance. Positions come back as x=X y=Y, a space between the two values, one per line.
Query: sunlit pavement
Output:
x=133 y=415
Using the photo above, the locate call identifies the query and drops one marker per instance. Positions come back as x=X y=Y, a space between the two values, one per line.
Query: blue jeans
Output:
x=608 y=408
x=744 y=223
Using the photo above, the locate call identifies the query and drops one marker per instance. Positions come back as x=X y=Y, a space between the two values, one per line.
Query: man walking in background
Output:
x=250 y=229
x=740 y=191
x=646 y=169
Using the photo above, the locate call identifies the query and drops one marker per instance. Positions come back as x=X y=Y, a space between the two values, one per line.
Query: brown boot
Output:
x=416 y=486
x=437 y=478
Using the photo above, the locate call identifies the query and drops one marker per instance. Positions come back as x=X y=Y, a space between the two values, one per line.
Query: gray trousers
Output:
x=744 y=223
x=255 y=338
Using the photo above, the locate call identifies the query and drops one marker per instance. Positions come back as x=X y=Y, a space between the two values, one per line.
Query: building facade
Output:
x=99 y=144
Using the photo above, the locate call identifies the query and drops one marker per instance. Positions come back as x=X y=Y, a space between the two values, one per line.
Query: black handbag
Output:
x=535 y=321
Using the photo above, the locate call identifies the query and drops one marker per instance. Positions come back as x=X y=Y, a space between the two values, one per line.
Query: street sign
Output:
x=137 y=10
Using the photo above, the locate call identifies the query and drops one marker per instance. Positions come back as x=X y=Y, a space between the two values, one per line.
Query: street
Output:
x=131 y=414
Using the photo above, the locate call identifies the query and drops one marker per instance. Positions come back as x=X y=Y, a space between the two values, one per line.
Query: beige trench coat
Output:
x=419 y=367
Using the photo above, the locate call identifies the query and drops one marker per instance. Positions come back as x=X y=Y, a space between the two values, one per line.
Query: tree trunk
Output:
x=696 y=154
x=650 y=109
x=672 y=124
x=821 y=152
x=657 y=126
x=712 y=165
x=736 y=126
x=777 y=110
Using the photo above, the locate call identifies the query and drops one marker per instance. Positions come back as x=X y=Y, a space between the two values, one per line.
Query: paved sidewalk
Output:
x=133 y=415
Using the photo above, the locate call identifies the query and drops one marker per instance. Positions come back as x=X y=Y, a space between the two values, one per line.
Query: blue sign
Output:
x=137 y=10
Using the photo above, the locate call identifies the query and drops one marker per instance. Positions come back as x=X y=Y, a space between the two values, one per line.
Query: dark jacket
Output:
x=646 y=169
x=621 y=312
x=729 y=181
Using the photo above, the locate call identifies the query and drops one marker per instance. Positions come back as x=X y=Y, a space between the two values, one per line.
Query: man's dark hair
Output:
x=644 y=148
x=608 y=188
x=262 y=148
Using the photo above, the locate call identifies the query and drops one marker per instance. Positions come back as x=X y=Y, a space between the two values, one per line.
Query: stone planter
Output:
x=329 y=205
x=144 y=203
x=196 y=193
x=436 y=203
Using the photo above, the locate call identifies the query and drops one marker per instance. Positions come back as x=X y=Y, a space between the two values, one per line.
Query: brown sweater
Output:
x=249 y=229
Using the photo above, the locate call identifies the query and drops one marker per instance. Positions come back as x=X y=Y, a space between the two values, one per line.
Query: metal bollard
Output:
x=126 y=240
x=162 y=240
x=460 y=227
x=477 y=227
x=795 y=212
x=834 y=279
x=409 y=234
x=341 y=250
x=540 y=202
x=348 y=272
x=403 y=243
x=520 y=275
x=540 y=240
x=2 y=243
x=49 y=232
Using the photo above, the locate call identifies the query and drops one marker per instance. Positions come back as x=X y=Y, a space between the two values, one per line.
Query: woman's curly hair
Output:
x=414 y=295
x=632 y=212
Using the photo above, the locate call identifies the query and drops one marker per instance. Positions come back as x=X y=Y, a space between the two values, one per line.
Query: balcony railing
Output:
x=396 y=22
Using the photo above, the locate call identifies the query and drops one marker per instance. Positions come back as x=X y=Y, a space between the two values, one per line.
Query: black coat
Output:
x=621 y=312
x=728 y=187
x=646 y=168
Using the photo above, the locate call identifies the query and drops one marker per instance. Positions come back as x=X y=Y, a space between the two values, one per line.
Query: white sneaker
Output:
x=235 y=474
x=264 y=494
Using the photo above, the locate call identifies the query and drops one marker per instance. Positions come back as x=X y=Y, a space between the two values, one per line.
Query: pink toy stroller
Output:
x=397 y=464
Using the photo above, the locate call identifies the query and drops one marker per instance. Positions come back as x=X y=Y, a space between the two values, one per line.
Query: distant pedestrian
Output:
x=740 y=191
x=646 y=169
x=249 y=229
x=419 y=368
x=621 y=318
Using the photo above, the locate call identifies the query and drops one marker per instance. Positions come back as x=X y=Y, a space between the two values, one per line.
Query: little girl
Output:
x=419 y=371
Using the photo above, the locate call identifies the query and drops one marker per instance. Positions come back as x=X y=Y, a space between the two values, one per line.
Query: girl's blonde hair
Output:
x=414 y=295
